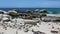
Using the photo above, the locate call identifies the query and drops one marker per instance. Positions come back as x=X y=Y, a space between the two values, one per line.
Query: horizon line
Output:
x=29 y=7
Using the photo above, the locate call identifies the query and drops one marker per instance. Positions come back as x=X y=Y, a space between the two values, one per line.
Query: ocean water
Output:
x=49 y=10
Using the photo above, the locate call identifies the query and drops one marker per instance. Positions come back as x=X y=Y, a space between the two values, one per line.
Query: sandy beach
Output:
x=45 y=27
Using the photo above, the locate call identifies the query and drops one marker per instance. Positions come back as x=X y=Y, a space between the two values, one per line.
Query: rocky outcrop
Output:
x=51 y=19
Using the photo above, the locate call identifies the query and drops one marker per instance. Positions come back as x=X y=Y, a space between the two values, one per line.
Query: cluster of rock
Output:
x=51 y=19
x=26 y=14
x=10 y=19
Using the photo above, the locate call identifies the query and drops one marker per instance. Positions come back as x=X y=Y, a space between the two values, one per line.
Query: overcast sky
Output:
x=30 y=3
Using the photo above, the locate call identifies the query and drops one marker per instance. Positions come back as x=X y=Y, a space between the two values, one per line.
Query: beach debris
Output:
x=26 y=30
x=54 y=31
x=37 y=32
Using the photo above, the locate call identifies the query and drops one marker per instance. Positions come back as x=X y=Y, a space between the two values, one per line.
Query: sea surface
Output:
x=49 y=10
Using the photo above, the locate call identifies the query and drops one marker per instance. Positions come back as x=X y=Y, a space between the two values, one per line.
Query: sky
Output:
x=29 y=3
